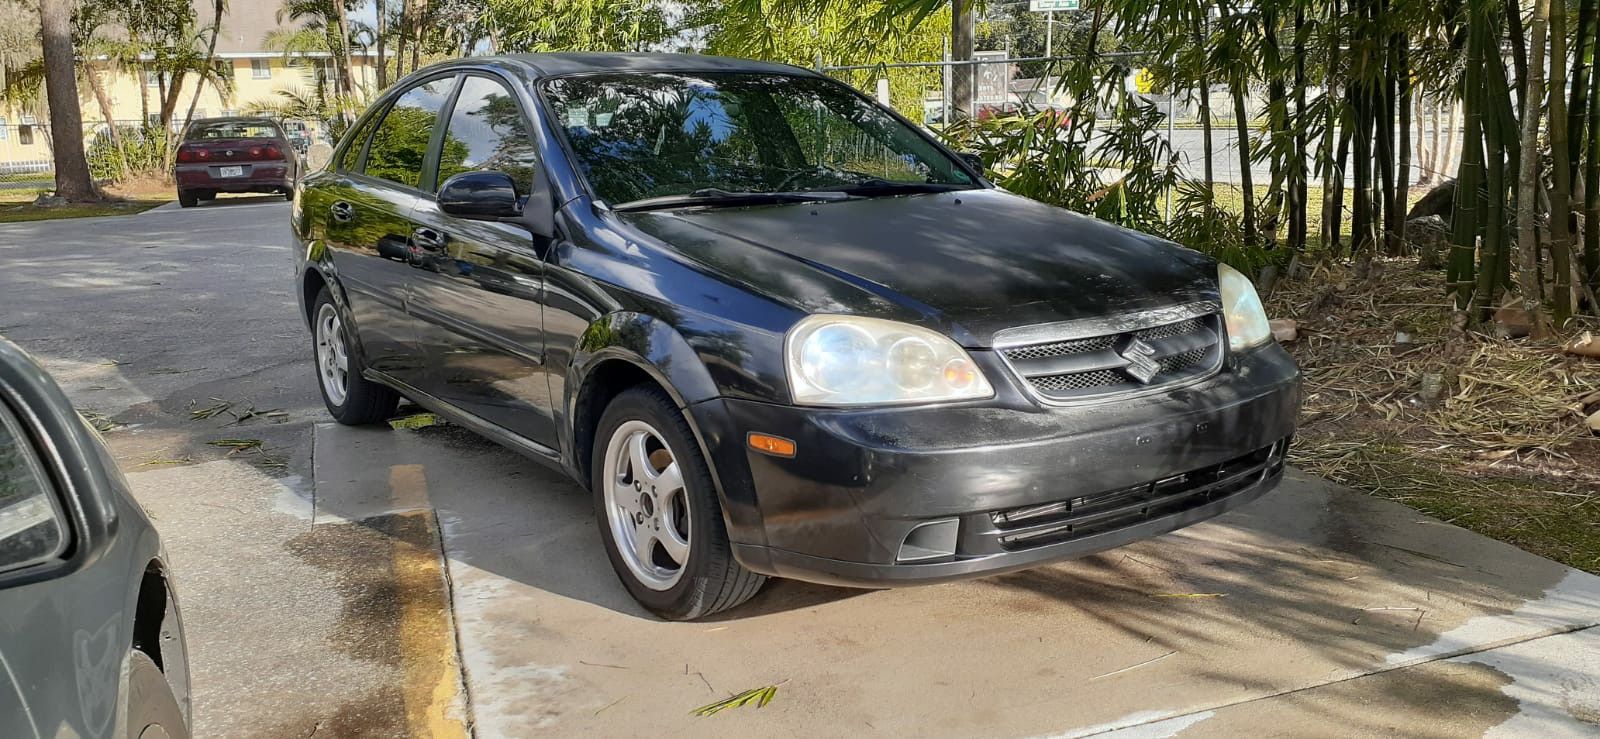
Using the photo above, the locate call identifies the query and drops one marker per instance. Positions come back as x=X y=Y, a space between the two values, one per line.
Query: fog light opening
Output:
x=932 y=540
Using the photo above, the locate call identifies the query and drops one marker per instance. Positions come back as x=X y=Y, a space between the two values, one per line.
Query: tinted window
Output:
x=30 y=521
x=487 y=131
x=347 y=161
x=233 y=130
x=400 y=143
x=645 y=135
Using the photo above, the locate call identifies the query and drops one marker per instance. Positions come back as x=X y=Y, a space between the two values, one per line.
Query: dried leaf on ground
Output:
x=760 y=696
x=415 y=421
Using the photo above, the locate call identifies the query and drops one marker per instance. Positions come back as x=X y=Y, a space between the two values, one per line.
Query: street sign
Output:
x=992 y=81
x=1046 y=6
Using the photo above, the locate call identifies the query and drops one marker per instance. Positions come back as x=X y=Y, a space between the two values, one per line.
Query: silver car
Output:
x=91 y=642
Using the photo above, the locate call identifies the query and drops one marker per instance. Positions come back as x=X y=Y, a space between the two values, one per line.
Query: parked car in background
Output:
x=233 y=155
x=91 y=639
x=776 y=329
x=299 y=135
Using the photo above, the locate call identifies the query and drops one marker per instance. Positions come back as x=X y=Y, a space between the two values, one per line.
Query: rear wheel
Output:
x=289 y=194
x=658 y=511
x=187 y=199
x=206 y=196
x=153 y=711
x=351 y=399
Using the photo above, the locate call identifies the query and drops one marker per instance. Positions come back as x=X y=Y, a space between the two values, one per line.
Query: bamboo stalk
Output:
x=1561 y=299
x=1528 y=178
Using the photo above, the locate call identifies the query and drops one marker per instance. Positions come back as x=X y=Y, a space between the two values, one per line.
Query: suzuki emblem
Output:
x=1141 y=361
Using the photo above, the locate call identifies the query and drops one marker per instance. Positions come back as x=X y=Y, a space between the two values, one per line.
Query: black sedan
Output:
x=776 y=329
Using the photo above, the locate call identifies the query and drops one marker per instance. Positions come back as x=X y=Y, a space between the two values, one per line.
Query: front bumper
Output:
x=996 y=486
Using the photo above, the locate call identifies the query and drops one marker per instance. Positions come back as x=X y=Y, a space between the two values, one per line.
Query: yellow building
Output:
x=256 y=73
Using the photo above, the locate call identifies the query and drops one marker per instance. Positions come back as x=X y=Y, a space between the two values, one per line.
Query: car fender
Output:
x=660 y=351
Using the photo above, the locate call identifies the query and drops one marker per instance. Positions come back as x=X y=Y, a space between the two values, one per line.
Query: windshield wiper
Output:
x=718 y=196
x=877 y=186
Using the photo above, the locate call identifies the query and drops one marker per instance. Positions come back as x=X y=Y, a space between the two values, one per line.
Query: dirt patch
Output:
x=1405 y=403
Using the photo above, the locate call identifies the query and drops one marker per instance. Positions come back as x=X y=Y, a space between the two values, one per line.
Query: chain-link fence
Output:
x=922 y=91
x=1002 y=85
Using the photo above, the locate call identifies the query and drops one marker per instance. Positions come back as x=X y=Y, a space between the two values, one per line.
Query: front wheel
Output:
x=658 y=511
x=153 y=712
x=352 y=400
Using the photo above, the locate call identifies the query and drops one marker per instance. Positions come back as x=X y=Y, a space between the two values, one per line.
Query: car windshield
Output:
x=201 y=130
x=642 y=136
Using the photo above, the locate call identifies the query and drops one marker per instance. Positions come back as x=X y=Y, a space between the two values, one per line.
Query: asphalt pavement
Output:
x=341 y=581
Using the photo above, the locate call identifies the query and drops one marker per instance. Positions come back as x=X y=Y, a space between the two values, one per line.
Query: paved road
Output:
x=329 y=577
x=148 y=318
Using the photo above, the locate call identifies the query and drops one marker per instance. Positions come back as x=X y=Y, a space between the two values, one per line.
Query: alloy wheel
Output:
x=333 y=360
x=647 y=508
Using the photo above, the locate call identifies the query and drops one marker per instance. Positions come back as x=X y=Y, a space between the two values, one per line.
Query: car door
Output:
x=476 y=296
x=369 y=209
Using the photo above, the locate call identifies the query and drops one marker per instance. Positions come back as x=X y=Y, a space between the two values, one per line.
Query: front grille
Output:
x=1086 y=515
x=1109 y=364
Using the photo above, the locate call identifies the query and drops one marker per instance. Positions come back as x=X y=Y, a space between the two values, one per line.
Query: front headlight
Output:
x=849 y=360
x=1241 y=308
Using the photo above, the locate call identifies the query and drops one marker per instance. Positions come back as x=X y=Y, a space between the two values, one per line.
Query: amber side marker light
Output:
x=777 y=446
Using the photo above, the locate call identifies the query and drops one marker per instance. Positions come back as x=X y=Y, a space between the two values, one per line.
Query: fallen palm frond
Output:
x=237 y=445
x=415 y=421
x=100 y=422
x=1404 y=399
x=760 y=696
x=218 y=405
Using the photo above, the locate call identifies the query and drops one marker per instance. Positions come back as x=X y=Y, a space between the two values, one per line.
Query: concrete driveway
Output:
x=381 y=583
x=1315 y=611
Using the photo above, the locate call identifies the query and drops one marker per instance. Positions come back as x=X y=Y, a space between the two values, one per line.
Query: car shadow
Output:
x=224 y=200
x=501 y=513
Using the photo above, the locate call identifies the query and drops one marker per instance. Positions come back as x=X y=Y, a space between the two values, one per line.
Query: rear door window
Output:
x=399 y=148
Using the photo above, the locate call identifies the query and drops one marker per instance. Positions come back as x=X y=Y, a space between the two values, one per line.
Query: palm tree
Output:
x=329 y=19
x=218 y=8
x=61 y=87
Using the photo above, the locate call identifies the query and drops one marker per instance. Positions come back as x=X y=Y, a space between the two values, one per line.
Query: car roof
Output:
x=562 y=63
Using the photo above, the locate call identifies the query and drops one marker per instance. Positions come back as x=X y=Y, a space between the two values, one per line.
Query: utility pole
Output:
x=1049 y=32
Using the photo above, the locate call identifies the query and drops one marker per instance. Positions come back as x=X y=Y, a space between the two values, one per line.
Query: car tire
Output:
x=187 y=199
x=661 y=511
x=352 y=399
x=153 y=711
x=289 y=194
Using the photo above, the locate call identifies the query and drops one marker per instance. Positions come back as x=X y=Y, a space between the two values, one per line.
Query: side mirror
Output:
x=492 y=196
x=480 y=196
x=973 y=160
x=58 y=484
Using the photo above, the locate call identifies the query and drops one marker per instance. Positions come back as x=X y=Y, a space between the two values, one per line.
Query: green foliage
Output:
x=839 y=33
x=576 y=25
x=143 y=153
x=397 y=146
x=1203 y=223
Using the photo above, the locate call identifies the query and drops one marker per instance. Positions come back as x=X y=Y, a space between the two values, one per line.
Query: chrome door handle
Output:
x=342 y=212
x=428 y=239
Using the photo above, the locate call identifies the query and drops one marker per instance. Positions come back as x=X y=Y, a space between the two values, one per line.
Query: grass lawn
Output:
x=16 y=205
x=17 y=213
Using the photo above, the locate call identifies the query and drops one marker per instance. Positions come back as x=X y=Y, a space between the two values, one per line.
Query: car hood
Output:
x=971 y=262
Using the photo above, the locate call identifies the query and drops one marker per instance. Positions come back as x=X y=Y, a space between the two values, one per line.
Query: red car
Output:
x=233 y=155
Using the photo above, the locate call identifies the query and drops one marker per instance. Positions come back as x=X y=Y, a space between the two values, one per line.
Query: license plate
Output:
x=230 y=171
